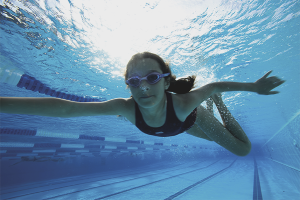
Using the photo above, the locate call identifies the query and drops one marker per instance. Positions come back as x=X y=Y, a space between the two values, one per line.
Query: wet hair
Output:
x=179 y=86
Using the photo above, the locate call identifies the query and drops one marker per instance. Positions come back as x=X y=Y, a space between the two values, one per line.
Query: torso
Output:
x=157 y=121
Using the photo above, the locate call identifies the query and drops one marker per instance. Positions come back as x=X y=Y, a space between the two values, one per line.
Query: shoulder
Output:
x=128 y=110
x=126 y=105
x=186 y=103
x=182 y=106
x=117 y=106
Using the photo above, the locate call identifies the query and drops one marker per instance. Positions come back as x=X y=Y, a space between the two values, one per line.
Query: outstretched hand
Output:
x=264 y=85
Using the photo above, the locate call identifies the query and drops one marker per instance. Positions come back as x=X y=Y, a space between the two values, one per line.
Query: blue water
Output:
x=79 y=51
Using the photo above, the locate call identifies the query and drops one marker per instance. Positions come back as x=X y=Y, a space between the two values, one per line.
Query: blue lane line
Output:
x=197 y=183
x=17 y=132
x=30 y=83
x=117 y=141
x=257 y=195
x=88 y=137
x=28 y=132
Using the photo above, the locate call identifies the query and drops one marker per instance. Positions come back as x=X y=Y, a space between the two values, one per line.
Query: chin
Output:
x=147 y=102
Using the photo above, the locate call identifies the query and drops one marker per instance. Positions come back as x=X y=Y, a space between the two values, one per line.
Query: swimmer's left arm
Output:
x=263 y=86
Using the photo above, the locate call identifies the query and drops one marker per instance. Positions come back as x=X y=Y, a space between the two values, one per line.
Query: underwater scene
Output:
x=80 y=53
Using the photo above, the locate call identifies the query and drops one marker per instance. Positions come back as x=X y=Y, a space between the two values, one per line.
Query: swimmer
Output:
x=156 y=111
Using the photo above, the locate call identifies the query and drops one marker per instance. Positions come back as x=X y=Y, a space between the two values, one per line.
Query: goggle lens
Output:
x=134 y=82
x=151 y=78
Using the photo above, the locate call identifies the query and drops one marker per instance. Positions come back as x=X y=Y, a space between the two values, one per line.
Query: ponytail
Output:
x=182 y=85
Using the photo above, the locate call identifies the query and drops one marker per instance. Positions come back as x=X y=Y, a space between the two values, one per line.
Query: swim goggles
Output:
x=151 y=78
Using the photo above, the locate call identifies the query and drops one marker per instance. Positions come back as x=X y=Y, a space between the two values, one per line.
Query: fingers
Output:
x=278 y=82
x=268 y=83
x=275 y=80
x=267 y=74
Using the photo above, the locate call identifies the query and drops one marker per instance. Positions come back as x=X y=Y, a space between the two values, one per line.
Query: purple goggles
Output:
x=151 y=78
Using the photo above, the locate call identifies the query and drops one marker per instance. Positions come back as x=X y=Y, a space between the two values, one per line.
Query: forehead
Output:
x=143 y=66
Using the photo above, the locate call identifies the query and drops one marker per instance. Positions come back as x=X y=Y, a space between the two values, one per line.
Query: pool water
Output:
x=78 y=51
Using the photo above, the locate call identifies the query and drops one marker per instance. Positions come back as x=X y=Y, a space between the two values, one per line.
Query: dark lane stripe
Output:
x=256 y=185
x=197 y=183
x=155 y=181
x=134 y=172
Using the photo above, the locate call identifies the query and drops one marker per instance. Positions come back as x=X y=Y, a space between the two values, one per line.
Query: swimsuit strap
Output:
x=171 y=115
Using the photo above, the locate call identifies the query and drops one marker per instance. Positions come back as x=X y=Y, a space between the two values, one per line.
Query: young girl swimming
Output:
x=156 y=111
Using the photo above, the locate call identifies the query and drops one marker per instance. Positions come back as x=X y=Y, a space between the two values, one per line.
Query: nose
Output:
x=144 y=86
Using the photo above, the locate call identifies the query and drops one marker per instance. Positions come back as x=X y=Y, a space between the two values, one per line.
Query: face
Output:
x=147 y=95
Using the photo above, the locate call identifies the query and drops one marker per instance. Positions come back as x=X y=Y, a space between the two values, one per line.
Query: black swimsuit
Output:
x=173 y=126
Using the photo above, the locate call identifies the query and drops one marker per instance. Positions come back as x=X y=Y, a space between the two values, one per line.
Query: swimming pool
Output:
x=77 y=51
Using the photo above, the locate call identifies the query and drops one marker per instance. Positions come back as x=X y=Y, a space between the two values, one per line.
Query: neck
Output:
x=156 y=110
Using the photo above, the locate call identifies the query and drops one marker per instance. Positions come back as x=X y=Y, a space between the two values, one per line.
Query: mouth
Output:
x=146 y=97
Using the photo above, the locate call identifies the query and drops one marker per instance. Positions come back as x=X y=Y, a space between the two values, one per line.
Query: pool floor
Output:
x=218 y=178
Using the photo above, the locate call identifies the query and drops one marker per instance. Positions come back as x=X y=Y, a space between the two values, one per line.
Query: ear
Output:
x=167 y=83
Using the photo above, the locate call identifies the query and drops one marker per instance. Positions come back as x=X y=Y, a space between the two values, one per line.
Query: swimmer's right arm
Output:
x=55 y=107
